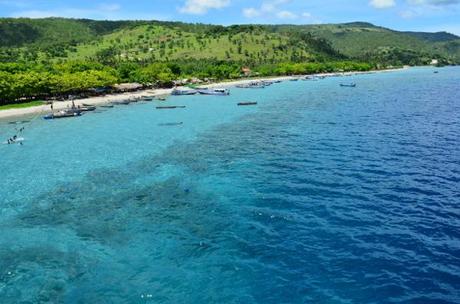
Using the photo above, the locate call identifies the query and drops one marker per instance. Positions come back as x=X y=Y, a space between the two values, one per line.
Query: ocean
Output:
x=319 y=194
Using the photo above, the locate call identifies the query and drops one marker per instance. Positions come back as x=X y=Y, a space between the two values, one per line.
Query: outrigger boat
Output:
x=123 y=102
x=84 y=109
x=251 y=85
x=247 y=103
x=180 y=92
x=62 y=114
x=171 y=124
x=218 y=92
x=169 y=107
x=268 y=82
x=12 y=141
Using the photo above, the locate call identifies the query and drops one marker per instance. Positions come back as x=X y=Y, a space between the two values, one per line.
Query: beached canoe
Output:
x=124 y=102
x=181 y=92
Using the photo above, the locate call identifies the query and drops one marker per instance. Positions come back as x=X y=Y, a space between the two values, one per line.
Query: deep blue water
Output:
x=320 y=194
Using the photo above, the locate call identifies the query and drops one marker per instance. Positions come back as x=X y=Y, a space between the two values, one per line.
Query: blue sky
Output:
x=419 y=15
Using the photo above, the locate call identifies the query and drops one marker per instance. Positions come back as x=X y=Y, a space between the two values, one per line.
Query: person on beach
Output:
x=52 y=107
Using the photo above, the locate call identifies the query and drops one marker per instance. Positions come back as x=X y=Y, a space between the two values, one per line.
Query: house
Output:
x=246 y=71
x=128 y=87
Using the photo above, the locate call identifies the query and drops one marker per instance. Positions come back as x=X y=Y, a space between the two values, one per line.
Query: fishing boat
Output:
x=181 y=92
x=247 y=103
x=13 y=141
x=268 y=82
x=350 y=85
x=169 y=107
x=251 y=85
x=170 y=124
x=123 y=102
x=107 y=106
x=62 y=114
x=294 y=79
x=85 y=109
x=218 y=92
x=18 y=122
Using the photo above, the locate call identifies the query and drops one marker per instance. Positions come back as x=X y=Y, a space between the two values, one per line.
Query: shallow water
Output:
x=320 y=194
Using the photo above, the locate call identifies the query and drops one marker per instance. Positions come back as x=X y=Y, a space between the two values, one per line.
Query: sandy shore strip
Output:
x=100 y=100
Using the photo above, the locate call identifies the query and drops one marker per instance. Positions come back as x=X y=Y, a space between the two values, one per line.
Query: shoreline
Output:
x=101 y=100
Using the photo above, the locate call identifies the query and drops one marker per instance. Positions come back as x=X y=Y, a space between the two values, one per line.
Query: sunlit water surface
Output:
x=320 y=194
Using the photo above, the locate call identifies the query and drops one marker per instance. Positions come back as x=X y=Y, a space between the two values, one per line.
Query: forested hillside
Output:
x=54 y=38
x=365 y=41
x=40 y=58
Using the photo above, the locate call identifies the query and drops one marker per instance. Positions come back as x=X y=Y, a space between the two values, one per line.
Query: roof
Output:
x=128 y=86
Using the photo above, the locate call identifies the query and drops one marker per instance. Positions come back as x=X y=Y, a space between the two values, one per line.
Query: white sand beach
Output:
x=61 y=105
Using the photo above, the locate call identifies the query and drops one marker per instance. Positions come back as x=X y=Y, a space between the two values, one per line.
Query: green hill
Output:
x=55 y=57
x=52 y=38
x=369 y=42
x=52 y=31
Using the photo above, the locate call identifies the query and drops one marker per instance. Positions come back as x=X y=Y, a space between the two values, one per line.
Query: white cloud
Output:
x=286 y=15
x=408 y=14
x=110 y=7
x=273 y=9
x=382 y=3
x=200 y=7
x=434 y=2
x=100 y=12
x=251 y=12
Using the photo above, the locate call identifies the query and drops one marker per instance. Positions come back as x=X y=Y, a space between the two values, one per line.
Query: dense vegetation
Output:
x=40 y=58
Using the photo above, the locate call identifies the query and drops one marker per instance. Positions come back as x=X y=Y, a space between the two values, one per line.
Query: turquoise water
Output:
x=320 y=194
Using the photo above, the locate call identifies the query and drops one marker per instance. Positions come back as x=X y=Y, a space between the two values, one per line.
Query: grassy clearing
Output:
x=21 y=105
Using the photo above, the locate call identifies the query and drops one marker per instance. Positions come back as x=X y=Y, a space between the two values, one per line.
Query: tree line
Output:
x=32 y=81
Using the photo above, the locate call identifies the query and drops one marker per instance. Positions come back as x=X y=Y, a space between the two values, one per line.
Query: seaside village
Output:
x=72 y=106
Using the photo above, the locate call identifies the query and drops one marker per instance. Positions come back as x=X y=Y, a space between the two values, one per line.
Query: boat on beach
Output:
x=183 y=92
x=123 y=102
x=84 y=109
x=269 y=82
x=217 y=92
x=252 y=85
